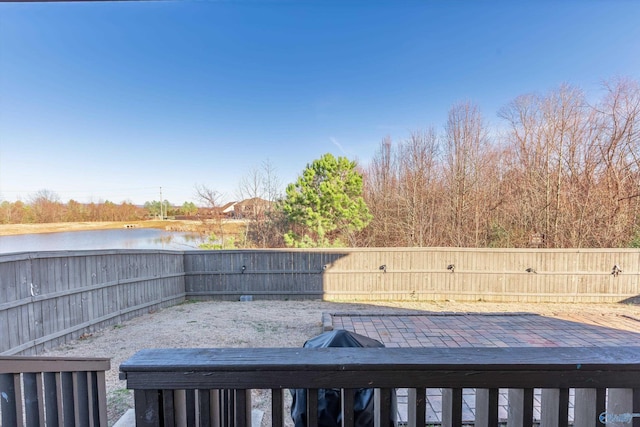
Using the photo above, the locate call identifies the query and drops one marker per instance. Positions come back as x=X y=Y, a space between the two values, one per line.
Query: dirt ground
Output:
x=14 y=229
x=263 y=324
x=230 y=226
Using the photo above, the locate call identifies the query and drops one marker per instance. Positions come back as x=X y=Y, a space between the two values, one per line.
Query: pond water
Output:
x=126 y=238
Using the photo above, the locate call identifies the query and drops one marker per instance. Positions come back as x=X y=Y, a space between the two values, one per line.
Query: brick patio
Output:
x=426 y=329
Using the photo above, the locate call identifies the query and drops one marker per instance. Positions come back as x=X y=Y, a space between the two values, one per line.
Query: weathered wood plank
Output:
x=412 y=367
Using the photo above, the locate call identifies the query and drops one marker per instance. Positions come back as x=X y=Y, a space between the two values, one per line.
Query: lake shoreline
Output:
x=59 y=227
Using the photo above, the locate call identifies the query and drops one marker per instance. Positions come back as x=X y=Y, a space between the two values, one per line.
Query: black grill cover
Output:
x=329 y=400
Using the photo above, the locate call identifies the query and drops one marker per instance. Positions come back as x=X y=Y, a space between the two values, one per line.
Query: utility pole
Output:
x=161 y=216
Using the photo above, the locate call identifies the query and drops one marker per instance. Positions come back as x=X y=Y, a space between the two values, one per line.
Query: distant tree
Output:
x=402 y=190
x=210 y=197
x=153 y=208
x=420 y=188
x=46 y=206
x=189 y=208
x=6 y=216
x=263 y=224
x=213 y=232
x=325 y=205
x=466 y=153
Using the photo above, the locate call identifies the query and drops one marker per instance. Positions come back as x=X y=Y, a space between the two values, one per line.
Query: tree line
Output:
x=561 y=172
x=45 y=206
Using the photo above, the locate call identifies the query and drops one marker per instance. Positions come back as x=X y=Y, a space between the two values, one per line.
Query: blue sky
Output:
x=111 y=101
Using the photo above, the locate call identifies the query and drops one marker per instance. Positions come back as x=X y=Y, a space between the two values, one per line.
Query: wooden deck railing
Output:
x=52 y=391
x=212 y=386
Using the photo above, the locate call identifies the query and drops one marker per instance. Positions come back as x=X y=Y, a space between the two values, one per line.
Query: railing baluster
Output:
x=520 y=413
x=147 y=404
x=204 y=407
x=190 y=404
x=60 y=398
x=601 y=401
x=589 y=404
x=348 y=398
x=10 y=404
x=486 y=407
x=277 y=408
x=636 y=406
x=92 y=399
x=620 y=401
x=168 y=408
x=51 y=401
x=584 y=412
x=81 y=398
x=242 y=408
x=451 y=407
x=31 y=403
x=312 y=407
x=101 y=396
x=382 y=404
x=554 y=407
x=68 y=403
x=417 y=407
x=527 y=407
x=180 y=408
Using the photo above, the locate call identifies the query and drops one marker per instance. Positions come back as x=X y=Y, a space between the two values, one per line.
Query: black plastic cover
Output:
x=329 y=400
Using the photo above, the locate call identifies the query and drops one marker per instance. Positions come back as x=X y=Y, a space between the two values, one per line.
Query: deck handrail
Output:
x=53 y=391
x=169 y=383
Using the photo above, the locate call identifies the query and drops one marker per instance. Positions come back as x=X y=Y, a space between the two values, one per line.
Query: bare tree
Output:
x=466 y=143
x=260 y=190
x=419 y=193
x=209 y=196
x=617 y=139
x=546 y=135
x=46 y=206
x=213 y=223
x=380 y=191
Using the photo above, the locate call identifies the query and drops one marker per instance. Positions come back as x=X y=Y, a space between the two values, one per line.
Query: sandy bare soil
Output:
x=13 y=229
x=262 y=324
x=230 y=226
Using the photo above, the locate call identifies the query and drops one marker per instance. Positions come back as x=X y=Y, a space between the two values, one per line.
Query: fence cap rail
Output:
x=291 y=359
x=382 y=367
x=31 y=364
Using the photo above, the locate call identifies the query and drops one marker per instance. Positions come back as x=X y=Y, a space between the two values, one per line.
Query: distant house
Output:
x=228 y=210
x=251 y=208
x=246 y=209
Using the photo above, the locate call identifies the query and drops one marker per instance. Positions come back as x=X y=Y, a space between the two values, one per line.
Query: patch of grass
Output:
x=265 y=327
x=118 y=402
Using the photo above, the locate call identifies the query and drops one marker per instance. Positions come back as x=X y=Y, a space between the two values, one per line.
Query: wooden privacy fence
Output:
x=420 y=274
x=52 y=392
x=47 y=298
x=211 y=387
